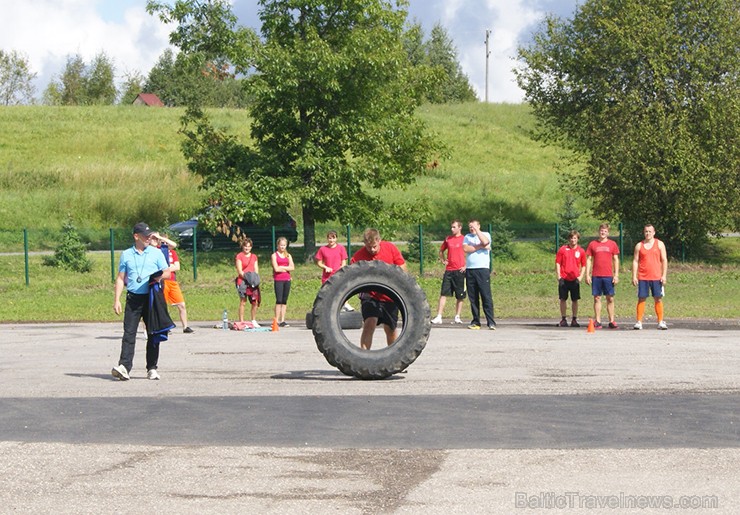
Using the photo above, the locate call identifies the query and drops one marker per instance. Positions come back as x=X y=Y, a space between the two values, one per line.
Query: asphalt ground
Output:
x=527 y=418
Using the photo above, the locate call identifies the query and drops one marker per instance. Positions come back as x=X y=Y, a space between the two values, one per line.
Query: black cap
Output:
x=143 y=229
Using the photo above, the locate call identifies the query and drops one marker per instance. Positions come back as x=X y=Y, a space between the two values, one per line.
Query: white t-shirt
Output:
x=480 y=258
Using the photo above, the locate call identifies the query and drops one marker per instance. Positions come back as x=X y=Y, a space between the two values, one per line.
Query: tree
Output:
x=100 y=86
x=647 y=91
x=74 y=89
x=333 y=111
x=133 y=84
x=16 y=79
x=442 y=54
x=191 y=78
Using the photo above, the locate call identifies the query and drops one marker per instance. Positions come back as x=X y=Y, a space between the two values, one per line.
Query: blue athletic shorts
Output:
x=647 y=289
x=602 y=286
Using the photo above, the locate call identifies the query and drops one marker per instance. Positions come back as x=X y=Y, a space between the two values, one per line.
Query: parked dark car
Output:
x=261 y=236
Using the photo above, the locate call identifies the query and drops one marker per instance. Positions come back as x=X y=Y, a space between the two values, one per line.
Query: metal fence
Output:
x=418 y=241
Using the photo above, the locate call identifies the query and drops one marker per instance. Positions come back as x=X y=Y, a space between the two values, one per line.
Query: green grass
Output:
x=108 y=167
x=523 y=288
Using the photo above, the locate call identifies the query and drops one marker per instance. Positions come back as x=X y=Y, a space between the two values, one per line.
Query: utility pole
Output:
x=488 y=53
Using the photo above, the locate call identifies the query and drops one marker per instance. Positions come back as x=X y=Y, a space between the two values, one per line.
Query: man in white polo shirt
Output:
x=477 y=247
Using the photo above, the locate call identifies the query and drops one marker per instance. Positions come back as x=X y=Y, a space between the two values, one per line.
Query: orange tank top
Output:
x=650 y=267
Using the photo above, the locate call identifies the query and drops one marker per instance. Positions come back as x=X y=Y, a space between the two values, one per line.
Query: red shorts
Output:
x=172 y=293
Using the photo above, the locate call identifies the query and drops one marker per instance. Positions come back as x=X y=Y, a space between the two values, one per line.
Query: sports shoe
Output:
x=637 y=326
x=613 y=325
x=437 y=319
x=152 y=374
x=492 y=327
x=347 y=307
x=188 y=330
x=255 y=324
x=597 y=324
x=574 y=323
x=475 y=327
x=563 y=323
x=283 y=324
x=662 y=325
x=120 y=372
x=457 y=320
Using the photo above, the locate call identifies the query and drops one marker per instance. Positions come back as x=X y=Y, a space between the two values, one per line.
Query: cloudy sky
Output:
x=48 y=31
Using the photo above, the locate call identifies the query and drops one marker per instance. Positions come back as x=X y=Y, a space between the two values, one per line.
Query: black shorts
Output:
x=385 y=312
x=282 y=290
x=574 y=287
x=453 y=283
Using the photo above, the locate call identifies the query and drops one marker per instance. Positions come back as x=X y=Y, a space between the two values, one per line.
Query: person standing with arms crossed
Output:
x=378 y=308
x=453 y=280
x=602 y=273
x=649 y=272
x=570 y=266
x=135 y=266
x=477 y=247
x=282 y=265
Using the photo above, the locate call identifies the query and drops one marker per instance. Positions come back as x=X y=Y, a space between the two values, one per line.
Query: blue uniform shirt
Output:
x=139 y=266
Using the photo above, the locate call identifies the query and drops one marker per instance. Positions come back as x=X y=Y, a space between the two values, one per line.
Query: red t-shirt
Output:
x=247 y=264
x=602 y=253
x=455 y=253
x=173 y=259
x=571 y=261
x=332 y=257
x=388 y=253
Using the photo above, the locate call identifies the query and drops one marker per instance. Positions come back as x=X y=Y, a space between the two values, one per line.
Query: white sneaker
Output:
x=437 y=320
x=458 y=320
x=120 y=372
x=255 y=324
x=637 y=326
x=662 y=325
x=152 y=375
x=347 y=307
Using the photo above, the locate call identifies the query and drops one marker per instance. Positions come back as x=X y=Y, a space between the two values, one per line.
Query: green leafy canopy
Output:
x=648 y=92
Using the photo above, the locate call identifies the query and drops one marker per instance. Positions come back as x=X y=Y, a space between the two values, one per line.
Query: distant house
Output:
x=147 y=99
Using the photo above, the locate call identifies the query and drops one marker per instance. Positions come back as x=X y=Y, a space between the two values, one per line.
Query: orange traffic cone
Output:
x=590 y=326
x=274 y=324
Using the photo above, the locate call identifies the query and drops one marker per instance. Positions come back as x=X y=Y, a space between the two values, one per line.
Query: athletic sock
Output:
x=641 y=309
x=659 y=311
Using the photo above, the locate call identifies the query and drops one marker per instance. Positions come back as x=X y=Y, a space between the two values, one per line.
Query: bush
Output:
x=413 y=252
x=71 y=252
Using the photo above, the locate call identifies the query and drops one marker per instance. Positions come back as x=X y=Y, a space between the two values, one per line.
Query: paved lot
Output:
x=529 y=416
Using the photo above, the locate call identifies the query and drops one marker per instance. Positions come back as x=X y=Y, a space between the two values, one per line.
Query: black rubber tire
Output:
x=347 y=320
x=347 y=356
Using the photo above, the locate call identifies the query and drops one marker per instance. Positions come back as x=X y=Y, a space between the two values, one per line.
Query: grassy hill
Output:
x=110 y=166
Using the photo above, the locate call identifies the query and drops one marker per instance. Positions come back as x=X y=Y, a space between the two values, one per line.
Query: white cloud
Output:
x=467 y=22
x=48 y=31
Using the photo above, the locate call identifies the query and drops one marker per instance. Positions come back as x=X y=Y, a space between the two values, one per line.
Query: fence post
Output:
x=621 y=240
x=112 y=257
x=421 y=251
x=25 y=253
x=349 y=242
x=274 y=247
x=195 y=253
x=557 y=237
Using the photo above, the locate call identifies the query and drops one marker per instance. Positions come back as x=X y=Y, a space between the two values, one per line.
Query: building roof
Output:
x=149 y=99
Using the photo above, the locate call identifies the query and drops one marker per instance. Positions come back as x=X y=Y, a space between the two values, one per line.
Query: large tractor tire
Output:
x=414 y=320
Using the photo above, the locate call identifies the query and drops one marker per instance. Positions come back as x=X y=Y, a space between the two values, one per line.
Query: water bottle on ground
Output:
x=225 y=321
